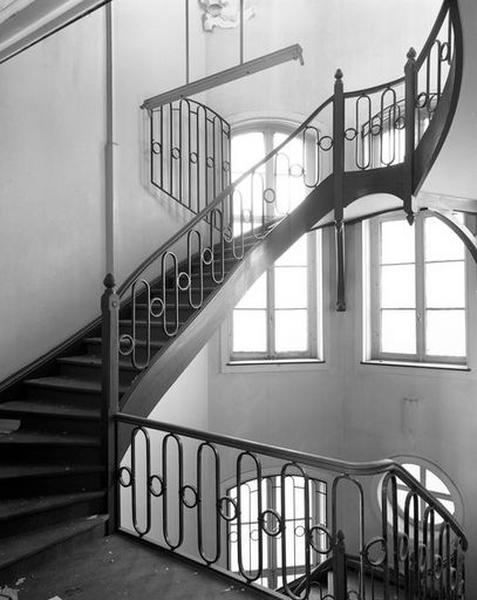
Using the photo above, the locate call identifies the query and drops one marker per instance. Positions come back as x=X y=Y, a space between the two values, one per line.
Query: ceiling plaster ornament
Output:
x=225 y=14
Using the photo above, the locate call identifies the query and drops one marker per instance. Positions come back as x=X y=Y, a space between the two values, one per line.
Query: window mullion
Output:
x=271 y=312
x=312 y=289
x=420 y=289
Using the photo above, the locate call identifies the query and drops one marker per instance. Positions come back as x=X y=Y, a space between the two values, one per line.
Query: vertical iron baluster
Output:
x=147 y=338
x=363 y=150
x=200 y=529
x=200 y=267
x=241 y=253
x=165 y=496
x=161 y=136
x=147 y=527
x=175 y=275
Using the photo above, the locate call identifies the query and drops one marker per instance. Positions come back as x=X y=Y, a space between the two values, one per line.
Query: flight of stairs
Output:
x=51 y=474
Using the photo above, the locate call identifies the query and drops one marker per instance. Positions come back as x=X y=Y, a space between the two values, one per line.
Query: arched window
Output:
x=294 y=519
x=278 y=318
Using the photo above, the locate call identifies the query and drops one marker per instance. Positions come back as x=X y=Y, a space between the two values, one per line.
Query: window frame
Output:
x=314 y=351
x=373 y=306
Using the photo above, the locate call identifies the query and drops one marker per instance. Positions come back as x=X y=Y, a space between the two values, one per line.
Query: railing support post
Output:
x=110 y=394
x=410 y=73
x=340 y=587
x=338 y=190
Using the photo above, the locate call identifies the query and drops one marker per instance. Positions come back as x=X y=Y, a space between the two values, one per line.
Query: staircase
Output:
x=58 y=468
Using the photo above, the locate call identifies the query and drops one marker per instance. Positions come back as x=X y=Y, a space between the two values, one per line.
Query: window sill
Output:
x=278 y=365
x=417 y=365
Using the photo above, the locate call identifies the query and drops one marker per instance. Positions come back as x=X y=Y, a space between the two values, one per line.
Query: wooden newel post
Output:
x=338 y=189
x=410 y=74
x=110 y=390
x=340 y=586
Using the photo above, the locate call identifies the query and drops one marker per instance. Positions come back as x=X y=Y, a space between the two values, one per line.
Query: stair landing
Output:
x=119 y=567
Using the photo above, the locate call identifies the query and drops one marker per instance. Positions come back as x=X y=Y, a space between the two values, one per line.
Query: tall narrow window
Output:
x=417 y=291
x=278 y=317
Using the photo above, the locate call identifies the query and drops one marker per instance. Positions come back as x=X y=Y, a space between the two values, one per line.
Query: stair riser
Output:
x=71 y=398
x=70 y=454
x=94 y=373
x=27 y=523
x=64 y=484
x=56 y=425
x=157 y=332
x=92 y=349
x=141 y=314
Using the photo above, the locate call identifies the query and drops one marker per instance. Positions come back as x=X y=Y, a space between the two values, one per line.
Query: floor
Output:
x=118 y=567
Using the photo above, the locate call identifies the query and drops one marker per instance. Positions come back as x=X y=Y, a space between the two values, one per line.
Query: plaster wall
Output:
x=52 y=110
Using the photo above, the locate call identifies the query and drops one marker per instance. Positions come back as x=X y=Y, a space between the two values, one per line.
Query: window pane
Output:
x=398 y=286
x=256 y=297
x=398 y=331
x=291 y=287
x=247 y=149
x=291 y=331
x=296 y=255
x=397 y=242
x=441 y=243
x=445 y=285
x=249 y=331
x=415 y=470
x=435 y=484
x=445 y=332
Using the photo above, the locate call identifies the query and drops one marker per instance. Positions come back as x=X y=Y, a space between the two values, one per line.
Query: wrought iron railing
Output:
x=189 y=152
x=173 y=492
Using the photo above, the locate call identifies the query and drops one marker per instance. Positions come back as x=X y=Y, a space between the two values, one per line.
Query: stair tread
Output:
x=44 y=409
x=69 y=383
x=27 y=438
x=26 y=471
x=24 y=545
x=91 y=360
x=16 y=507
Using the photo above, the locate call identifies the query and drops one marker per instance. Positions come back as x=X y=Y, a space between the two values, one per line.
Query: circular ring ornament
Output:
x=193 y=157
x=279 y=525
x=189 y=502
x=376 y=129
x=233 y=537
x=321 y=529
x=377 y=562
x=444 y=52
x=152 y=490
x=296 y=170
x=227 y=234
x=422 y=557
x=156 y=313
x=122 y=482
x=400 y=123
x=422 y=100
x=254 y=535
x=210 y=162
x=156 y=147
x=325 y=143
x=207 y=256
x=403 y=547
x=224 y=505
x=351 y=134
x=438 y=567
x=183 y=286
x=299 y=531
x=226 y=166
x=127 y=340
x=175 y=152
x=269 y=195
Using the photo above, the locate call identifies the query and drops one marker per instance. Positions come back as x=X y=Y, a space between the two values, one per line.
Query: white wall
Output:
x=52 y=111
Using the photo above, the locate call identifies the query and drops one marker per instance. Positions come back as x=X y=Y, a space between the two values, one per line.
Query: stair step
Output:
x=23 y=546
x=90 y=360
x=41 y=438
x=141 y=344
x=21 y=507
x=19 y=408
x=14 y=471
x=67 y=384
